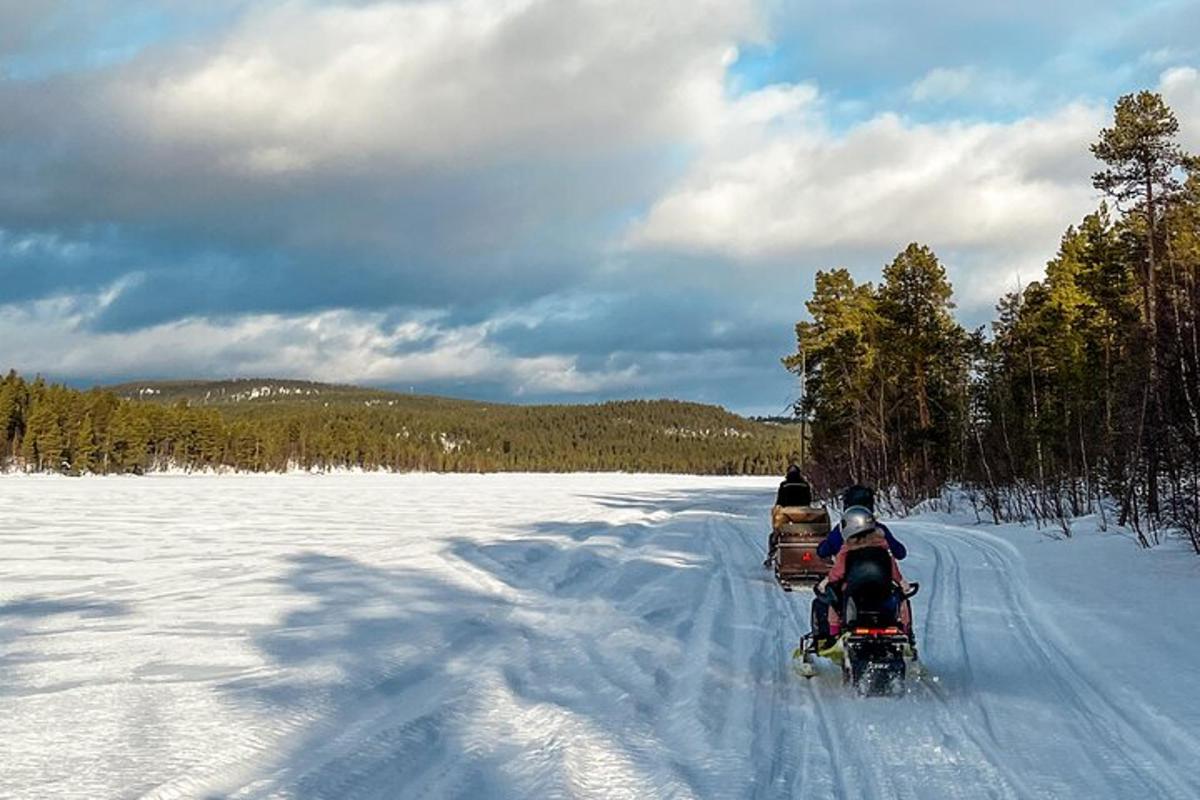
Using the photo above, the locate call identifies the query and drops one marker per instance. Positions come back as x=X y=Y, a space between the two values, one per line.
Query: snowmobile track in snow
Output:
x=1112 y=742
x=1127 y=740
x=531 y=636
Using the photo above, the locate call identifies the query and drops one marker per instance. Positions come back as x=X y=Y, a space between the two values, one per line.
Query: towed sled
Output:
x=796 y=531
x=875 y=652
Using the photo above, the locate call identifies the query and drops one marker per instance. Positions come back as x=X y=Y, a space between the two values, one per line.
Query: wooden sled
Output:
x=798 y=530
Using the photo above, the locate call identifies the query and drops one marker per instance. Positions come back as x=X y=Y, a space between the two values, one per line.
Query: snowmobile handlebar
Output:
x=913 y=588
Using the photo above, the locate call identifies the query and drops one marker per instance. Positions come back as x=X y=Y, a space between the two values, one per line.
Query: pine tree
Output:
x=11 y=391
x=1141 y=158
x=83 y=447
x=837 y=355
x=44 y=445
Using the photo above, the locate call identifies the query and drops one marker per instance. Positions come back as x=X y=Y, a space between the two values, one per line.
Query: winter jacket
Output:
x=838 y=574
x=832 y=544
x=876 y=539
x=794 y=493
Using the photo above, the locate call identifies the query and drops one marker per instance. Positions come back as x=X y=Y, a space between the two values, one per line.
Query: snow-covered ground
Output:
x=556 y=636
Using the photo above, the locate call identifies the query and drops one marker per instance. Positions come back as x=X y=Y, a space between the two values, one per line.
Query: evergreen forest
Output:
x=265 y=425
x=1083 y=395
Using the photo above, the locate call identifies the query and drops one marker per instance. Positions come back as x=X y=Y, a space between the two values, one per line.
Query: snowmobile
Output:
x=796 y=531
x=873 y=648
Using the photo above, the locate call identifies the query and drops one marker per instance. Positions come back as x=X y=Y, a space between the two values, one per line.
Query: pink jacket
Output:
x=876 y=539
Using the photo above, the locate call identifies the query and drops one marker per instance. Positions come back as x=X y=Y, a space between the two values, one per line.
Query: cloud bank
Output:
x=514 y=199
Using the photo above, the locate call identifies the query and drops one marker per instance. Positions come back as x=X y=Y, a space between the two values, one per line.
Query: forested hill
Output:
x=265 y=425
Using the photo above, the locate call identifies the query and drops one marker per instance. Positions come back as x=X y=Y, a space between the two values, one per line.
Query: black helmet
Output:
x=859 y=495
x=793 y=474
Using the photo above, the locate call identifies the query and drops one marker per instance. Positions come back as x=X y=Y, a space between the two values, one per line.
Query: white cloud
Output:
x=883 y=183
x=973 y=86
x=991 y=198
x=1180 y=87
x=341 y=346
x=297 y=85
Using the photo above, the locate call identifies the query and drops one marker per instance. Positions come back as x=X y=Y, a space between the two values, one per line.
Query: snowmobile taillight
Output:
x=877 y=631
x=806 y=557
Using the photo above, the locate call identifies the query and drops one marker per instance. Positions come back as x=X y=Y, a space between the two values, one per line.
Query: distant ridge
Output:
x=288 y=391
x=280 y=423
x=272 y=425
x=237 y=390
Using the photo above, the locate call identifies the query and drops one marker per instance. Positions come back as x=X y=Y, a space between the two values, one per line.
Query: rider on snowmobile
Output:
x=860 y=529
x=794 y=490
x=862 y=497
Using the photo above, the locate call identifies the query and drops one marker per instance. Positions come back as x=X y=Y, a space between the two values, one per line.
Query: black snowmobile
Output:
x=873 y=646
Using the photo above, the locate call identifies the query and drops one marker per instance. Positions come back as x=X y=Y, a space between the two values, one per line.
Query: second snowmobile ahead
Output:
x=796 y=532
x=873 y=646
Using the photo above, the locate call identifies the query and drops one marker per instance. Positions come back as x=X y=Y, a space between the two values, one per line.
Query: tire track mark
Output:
x=773 y=731
x=821 y=713
x=986 y=743
x=1072 y=685
x=783 y=612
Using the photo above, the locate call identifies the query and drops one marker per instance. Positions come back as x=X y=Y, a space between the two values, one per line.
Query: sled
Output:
x=797 y=531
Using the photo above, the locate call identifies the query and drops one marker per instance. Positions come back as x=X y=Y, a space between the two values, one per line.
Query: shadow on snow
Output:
x=518 y=665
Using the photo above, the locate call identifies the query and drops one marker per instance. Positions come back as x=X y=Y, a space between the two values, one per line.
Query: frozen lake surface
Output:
x=556 y=636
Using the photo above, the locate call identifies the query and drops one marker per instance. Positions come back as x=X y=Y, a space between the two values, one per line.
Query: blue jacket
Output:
x=832 y=543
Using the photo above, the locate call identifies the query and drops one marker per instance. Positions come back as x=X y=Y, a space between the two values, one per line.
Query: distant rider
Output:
x=862 y=497
x=861 y=530
x=792 y=491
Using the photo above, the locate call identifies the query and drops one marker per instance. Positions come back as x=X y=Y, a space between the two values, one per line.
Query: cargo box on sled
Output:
x=798 y=530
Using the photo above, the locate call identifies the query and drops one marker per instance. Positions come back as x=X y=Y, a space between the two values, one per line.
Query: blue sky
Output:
x=532 y=200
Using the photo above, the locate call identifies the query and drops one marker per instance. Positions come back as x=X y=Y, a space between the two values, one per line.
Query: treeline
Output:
x=1085 y=394
x=886 y=374
x=50 y=428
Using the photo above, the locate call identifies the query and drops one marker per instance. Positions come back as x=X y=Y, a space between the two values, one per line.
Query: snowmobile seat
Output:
x=869 y=578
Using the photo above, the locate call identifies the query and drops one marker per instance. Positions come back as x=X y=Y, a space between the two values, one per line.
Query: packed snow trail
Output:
x=555 y=636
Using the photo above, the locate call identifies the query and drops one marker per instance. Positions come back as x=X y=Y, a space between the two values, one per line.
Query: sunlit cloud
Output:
x=529 y=199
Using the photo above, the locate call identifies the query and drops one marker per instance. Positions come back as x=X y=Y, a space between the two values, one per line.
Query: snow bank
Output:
x=522 y=636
